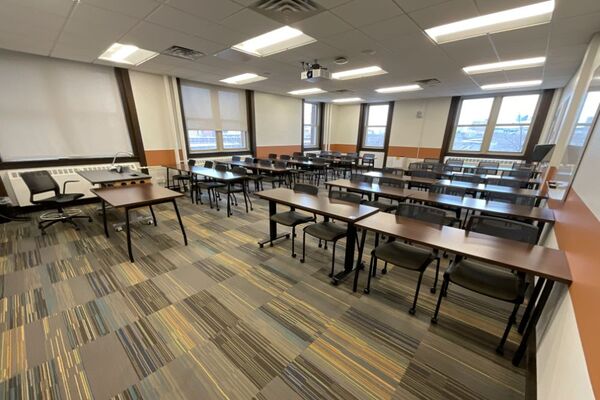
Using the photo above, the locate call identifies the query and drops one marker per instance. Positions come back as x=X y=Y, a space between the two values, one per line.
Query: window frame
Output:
x=533 y=135
x=319 y=126
x=362 y=128
x=219 y=152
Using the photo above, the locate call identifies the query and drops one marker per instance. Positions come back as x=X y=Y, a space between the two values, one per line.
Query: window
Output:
x=585 y=120
x=500 y=124
x=215 y=118
x=375 y=126
x=311 y=129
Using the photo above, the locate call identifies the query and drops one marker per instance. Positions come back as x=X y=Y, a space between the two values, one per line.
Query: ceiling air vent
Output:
x=287 y=11
x=428 y=82
x=182 y=52
x=341 y=91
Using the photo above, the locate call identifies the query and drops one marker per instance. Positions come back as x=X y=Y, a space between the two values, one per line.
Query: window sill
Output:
x=219 y=154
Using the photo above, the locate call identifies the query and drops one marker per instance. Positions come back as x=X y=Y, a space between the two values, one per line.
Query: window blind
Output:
x=52 y=109
x=215 y=108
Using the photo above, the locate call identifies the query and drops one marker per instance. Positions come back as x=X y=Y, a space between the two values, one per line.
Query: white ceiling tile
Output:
x=133 y=8
x=154 y=37
x=364 y=12
x=175 y=19
x=355 y=41
x=395 y=28
x=413 y=5
x=570 y=8
x=90 y=22
x=323 y=25
x=81 y=53
x=522 y=43
x=471 y=51
x=30 y=22
x=331 y=3
x=445 y=13
x=251 y=23
x=525 y=74
x=492 y=6
x=574 y=31
x=213 y=10
x=55 y=7
x=27 y=44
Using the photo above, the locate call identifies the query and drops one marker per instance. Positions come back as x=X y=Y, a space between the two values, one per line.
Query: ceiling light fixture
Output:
x=515 y=18
x=301 y=92
x=399 y=89
x=348 y=100
x=243 y=79
x=127 y=54
x=358 y=73
x=509 y=85
x=282 y=39
x=505 y=65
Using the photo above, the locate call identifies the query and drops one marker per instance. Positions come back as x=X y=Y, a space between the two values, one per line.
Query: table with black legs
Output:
x=321 y=205
x=137 y=196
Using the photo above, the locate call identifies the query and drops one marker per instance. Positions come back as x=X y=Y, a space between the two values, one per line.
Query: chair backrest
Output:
x=455 y=162
x=248 y=160
x=451 y=168
x=392 y=170
x=514 y=183
x=285 y=157
x=368 y=156
x=449 y=190
x=486 y=171
x=416 y=166
x=191 y=163
x=306 y=188
x=239 y=170
x=361 y=178
x=280 y=164
x=467 y=178
x=312 y=155
x=208 y=164
x=297 y=154
x=489 y=164
x=301 y=158
x=236 y=158
x=391 y=182
x=423 y=174
x=336 y=153
x=221 y=167
x=431 y=160
x=512 y=198
x=345 y=196
x=421 y=212
x=319 y=160
x=323 y=153
x=521 y=173
x=503 y=228
x=39 y=182
x=273 y=156
x=265 y=163
x=353 y=155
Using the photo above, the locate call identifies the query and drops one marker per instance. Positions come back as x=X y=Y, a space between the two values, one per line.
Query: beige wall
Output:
x=344 y=124
x=278 y=122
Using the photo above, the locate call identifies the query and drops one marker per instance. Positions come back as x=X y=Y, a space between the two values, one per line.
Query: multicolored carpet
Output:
x=224 y=319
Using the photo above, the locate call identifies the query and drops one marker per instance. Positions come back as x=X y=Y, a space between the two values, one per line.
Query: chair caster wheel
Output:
x=302 y=261
x=366 y=291
x=270 y=244
x=330 y=275
x=412 y=311
x=384 y=271
x=119 y=229
x=320 y=245
x=90 y=220
x=293 y=255
x=432 y=290
x=261 y=245
x=500 y=351
x=434 y=320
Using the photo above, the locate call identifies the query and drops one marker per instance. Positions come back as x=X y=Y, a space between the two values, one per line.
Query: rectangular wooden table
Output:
x=548 y=265
x=410 y=180
x=226 y=177
x=483 y=188
x=321 y=205
x=539 y=214
x=136 y=196
x=111 y=178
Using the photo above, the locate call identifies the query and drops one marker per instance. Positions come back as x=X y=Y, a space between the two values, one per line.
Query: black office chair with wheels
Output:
x=292 y=218
x=405 y=255
x=39 y=182
x=488 y=279
x=329 y=231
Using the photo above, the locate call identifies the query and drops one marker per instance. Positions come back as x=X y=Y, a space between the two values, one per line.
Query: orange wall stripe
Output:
x=429 y=152
x=577 y=231
x=343 y=148
x=160 y=157
x=264 y=151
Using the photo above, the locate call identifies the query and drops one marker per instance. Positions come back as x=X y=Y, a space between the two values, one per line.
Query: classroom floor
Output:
x=224 y=319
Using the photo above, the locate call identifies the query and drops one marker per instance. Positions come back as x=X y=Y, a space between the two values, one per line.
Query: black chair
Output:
x=468 y=178
x=208 y=164
x=297 y=154
x=486 y=171
x=431 y=160
x=273 y=156
x=395 y=171
x=231 y=189
x=524 y=174
x=184 y=177
x=292 y=218
x=249 y=160
x=512 y=198
x=451 y=191
x=285 y=157
x=221 y=167
x=312 y=155
x=488 y=164
x=209 y=185
x=343 y=166
x=277 y=177
x=39 y=182
x=405 y=255
x=514 y=183
x=487 y=279
x=329 y=231
x=368 y=160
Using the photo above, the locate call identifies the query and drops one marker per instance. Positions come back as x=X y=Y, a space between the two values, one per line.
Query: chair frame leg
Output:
x=443 y=290
x=333 y=260
x=433 y=289
x=511 y=321
x=303 y=246
x=293 y=241
x=413 y=309
x=367 y=289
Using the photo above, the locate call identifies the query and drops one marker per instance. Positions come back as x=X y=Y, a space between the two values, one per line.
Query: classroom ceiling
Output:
x=388 y=33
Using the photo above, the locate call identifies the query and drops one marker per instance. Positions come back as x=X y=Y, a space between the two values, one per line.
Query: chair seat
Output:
x=181 y=177
x=291 y=218
x=326 y=231
x=61 y=198
x=210 y=185
x=488 y=280
x=404 y=255
x=232 y=189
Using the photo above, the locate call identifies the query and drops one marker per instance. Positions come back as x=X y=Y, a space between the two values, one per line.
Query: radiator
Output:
x=19 y=193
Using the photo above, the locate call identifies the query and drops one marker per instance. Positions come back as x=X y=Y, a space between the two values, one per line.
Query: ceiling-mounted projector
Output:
x=314 y=72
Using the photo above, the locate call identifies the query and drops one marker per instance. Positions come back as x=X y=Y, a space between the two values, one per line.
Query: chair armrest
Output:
x=65 y=185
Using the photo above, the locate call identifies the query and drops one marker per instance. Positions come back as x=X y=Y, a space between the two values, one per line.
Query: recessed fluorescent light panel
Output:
x=510 y=85
x=399 y=89
x=515 y=18
x=505 y=65
x=127 y=54
x=243 y=79
x=348 y=100
x=273 y=42
x=358 y=73
x=303 y=92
